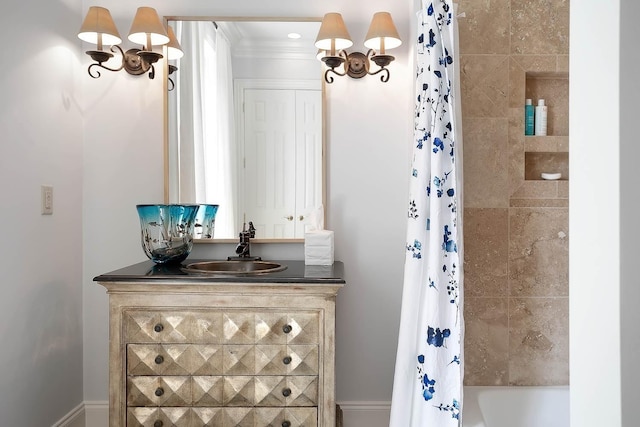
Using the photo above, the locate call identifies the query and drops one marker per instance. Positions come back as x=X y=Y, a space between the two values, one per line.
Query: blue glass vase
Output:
x=167 y=231
x=205 y=221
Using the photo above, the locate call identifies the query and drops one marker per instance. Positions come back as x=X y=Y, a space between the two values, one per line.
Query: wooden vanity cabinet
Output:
x=197 y=353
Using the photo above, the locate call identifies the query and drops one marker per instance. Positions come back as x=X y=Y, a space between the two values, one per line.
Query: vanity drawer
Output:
x=221 y=326
x=221 y=417
x=259 y=391
x=205 y=359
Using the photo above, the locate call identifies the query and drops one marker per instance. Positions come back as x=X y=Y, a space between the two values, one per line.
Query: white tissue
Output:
x=315 y=219
x=318 y=242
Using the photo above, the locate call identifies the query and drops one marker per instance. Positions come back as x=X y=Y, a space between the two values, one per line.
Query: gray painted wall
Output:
x=41 y=256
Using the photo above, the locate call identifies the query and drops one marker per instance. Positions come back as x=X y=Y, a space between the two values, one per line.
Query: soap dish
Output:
x=551 y=176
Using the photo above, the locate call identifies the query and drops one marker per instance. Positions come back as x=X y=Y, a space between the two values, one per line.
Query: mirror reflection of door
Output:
x=282 y=145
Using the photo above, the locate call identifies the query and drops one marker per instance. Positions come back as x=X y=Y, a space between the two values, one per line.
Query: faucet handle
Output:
x=252 y=230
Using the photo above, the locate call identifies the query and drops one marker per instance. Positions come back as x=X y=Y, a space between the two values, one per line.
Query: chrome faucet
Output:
x=243 y=249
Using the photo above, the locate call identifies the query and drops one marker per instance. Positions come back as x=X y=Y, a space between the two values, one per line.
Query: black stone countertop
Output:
x=296 y=272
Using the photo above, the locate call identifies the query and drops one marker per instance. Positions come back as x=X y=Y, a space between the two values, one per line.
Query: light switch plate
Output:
x=47 y=200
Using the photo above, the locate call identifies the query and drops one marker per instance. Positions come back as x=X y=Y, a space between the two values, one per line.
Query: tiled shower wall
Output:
x=516 y=230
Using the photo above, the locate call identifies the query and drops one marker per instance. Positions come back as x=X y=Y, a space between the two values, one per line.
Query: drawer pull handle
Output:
x=286 y=360
x=158 y=327
x=286 y=329
x=286 y=392
x=158 y=424
x=159 y=391
x=159 y=359
x=284 y=424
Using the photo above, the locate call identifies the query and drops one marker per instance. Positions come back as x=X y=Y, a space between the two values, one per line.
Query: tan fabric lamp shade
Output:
x=382 y=33
x=174 y=50
x=98 y=28
x=147 y=29
x=333 y=34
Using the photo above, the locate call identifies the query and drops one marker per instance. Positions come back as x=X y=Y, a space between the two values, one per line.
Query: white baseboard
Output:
x=97 y=413
x=355 y=414
x=75 y=418
x=365 y=414
x=86 y=414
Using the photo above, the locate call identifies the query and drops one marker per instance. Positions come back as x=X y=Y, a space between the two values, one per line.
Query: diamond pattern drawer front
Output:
x=174 y=359
x=159 y=391
x=221 y=417
x=202 y=359
x=241 y=390
x=221 y=327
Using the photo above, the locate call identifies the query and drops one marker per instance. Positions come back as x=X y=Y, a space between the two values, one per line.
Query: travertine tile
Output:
x=517 y=141
x=539 y=341
x=519 y=66
x=484 y=83
x=485 y=27
x=486 y=175
x=563 y=189
x=486 y=341
x=563 y=63
x=539 y=27
x=536 y=190
x=502 y=42
x=539 y=203
x=546 y=143
x=538 y=252
x=486 y=251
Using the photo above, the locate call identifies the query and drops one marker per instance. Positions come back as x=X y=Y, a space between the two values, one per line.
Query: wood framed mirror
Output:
x=245 y=123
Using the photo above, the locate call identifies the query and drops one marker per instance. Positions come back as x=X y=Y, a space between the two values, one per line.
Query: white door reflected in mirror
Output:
x=249 y=137
x=282 y=145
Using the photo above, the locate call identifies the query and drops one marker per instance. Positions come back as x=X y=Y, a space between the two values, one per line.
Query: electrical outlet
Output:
x=47 y=200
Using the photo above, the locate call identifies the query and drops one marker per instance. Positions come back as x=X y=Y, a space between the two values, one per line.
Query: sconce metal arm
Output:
x=102 y=56
x=334 y=62
x=381 y=61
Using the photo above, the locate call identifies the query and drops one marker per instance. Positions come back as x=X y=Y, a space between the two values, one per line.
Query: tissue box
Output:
x=318 y=247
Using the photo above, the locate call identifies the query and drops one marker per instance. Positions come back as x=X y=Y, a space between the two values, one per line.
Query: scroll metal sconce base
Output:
x=357 y=65
x=134 y=61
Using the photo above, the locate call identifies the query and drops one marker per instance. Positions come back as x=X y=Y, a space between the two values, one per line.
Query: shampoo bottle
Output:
x=541 y=118
x=528 y=117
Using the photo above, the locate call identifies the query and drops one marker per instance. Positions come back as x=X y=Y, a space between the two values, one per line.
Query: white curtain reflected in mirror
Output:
x=204 y=123
x=245 y=123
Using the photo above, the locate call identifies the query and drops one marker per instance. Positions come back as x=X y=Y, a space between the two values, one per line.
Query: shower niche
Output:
x=548 y=154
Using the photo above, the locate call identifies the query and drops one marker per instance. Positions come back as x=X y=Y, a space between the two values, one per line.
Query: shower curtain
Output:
x=427 y=389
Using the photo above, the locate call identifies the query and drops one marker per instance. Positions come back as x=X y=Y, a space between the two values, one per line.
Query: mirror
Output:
x=245 y=123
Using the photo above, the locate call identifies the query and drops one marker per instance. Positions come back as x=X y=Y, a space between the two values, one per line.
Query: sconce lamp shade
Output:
x=147 y=28
x=174 y=51
x=98 y=28
x=333 y=34
x=382 y=33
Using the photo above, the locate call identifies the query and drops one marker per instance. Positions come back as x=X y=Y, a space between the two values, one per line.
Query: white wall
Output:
x=41 y=256
x=369 y=127
x=604 y=200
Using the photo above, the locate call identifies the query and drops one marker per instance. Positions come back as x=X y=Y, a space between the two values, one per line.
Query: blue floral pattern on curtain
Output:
x=428 y=379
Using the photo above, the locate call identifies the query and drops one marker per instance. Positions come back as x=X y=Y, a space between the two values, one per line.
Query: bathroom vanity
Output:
x=207 y=350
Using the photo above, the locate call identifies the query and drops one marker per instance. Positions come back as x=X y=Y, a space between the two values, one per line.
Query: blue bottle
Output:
x=529 y=110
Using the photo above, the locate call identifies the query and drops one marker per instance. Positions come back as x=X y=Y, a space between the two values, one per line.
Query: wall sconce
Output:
x=333 y=38
x=147 y=30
